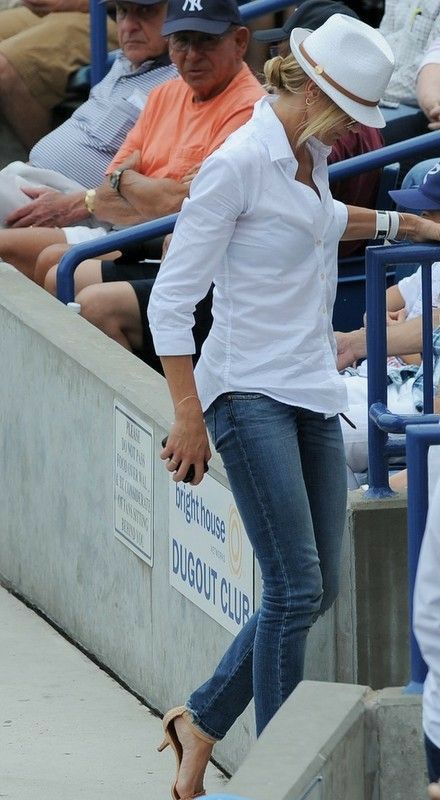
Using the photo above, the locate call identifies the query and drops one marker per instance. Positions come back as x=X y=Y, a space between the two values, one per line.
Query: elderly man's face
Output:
x=139 y=31
x=208 y=63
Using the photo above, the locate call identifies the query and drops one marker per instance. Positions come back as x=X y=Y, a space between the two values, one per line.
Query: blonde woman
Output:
x=262 y=225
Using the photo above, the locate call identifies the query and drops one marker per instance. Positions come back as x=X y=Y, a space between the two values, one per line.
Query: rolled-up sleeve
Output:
x=341 y=217
x=202 y=234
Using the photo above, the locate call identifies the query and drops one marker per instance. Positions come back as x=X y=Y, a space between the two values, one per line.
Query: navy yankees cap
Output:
x=425 y=197
x=206 y=16
x=310 y=14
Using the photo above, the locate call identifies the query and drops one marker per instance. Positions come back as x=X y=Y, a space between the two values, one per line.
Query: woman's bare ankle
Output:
x=195 y=758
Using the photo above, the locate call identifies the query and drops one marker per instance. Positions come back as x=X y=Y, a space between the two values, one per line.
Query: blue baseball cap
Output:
x=206 y=16
x=425 y=197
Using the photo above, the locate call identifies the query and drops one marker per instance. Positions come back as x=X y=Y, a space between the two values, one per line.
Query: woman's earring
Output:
x=308 y=101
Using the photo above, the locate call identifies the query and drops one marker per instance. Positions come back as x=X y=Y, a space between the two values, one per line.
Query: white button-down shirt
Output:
x=427 y=617
x=269 y=243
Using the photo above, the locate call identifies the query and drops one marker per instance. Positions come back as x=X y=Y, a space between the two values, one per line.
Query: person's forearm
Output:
x=152 y=197
x=402 y=339
x=179 y=372
x=110 y=206
x=362 y=225
x=140 y=199
x=74 y=210
x=187 y=444
x=428 y=88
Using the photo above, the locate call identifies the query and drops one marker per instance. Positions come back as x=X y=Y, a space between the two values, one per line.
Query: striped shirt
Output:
x=83 y=146
x=409 y=26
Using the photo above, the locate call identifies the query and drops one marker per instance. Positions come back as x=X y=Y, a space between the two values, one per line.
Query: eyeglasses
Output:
x=203 y=42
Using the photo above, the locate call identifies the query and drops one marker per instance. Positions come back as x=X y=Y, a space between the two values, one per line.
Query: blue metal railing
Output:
x=149 y=230
x=381 y=422
x=418 y=440
x=105 y=244
x=98 y=41
x=410 y=148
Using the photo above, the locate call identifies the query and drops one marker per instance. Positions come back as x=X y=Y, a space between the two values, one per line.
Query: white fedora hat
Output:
x=350 y=61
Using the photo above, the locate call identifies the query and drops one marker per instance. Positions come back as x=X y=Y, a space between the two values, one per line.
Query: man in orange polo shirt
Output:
x=184 y=120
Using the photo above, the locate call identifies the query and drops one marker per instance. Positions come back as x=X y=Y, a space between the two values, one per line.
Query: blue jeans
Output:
x=286 y=468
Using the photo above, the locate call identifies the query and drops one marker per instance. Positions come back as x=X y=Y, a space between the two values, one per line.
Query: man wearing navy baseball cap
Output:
x=206 y=16
x=425 y=197
x=184 y=121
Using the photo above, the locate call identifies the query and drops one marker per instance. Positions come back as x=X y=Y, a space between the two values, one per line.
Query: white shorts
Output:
x=81 y=233
x=356 y=440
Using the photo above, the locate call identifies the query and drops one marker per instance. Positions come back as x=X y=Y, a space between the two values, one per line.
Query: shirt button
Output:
x=319 y=242
x=324 y=310
x=322 y=276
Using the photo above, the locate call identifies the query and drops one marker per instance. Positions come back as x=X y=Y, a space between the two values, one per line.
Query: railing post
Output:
x=377 y=259
x=377 y=371
x=98 y=41
x=418 y=440
x=428 y=388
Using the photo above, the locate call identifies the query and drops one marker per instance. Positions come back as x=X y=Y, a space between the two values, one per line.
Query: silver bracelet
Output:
x=394 y=225
x=382 y=225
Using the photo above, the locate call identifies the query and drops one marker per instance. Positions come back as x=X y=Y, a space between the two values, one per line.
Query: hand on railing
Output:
x=425 y=229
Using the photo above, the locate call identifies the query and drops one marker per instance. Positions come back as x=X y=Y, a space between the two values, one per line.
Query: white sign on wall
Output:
x=133 y=482
x=211 y=559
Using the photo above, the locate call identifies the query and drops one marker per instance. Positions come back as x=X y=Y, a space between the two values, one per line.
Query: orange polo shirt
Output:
x=174 y=134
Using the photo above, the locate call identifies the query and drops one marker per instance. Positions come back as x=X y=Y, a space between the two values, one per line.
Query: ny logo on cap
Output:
x=432 y=171
x=194 y=5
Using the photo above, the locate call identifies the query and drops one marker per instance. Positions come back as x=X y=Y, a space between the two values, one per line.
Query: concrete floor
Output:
x=67 y=730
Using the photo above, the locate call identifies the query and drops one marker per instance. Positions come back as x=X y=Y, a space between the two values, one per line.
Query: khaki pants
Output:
x=46 y=50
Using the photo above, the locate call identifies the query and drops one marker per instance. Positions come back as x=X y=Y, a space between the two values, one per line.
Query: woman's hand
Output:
x=187 y=442
x=426 y=230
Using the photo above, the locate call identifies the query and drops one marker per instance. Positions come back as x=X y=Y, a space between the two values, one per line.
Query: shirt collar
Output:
x=274 y=135
x=154 y=63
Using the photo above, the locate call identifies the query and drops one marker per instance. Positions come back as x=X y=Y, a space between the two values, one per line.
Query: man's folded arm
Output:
x=140 y=199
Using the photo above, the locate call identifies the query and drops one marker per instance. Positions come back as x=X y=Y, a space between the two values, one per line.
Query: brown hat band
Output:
x=320 y=71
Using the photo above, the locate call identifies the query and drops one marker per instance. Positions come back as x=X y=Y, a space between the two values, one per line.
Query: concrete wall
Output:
x=377 y=530
x=60 y=377
x=342 y=742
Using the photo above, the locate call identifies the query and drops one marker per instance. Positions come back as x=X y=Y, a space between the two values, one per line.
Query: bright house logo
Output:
x=211 y=560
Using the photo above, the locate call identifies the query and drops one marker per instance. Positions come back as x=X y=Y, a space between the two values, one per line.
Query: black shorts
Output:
x=141 y=277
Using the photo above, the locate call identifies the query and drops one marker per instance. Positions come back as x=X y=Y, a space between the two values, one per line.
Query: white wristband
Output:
x=394 y=225
x=382 y=224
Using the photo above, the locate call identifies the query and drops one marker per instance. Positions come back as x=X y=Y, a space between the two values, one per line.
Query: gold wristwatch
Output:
x=89 y=200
